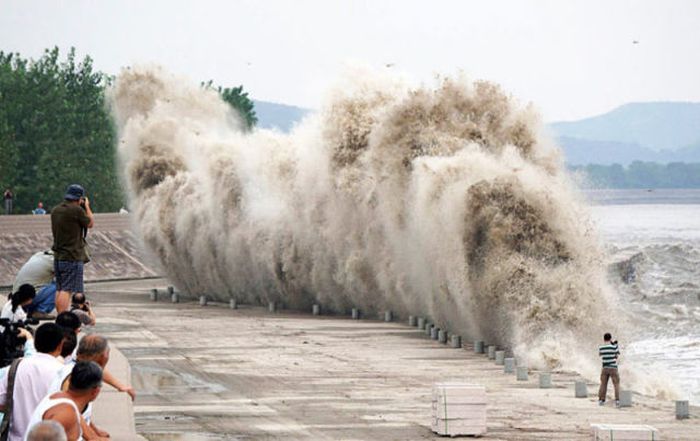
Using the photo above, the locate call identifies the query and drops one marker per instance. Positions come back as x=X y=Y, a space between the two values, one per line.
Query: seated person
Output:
x=13 y=310
x=38 y=271
x=81 y=307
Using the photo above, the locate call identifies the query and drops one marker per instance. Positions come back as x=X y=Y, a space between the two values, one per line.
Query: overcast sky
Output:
x=570 y=58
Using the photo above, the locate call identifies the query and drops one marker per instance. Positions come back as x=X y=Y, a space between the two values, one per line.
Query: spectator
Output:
x=13 y=308
x=38 y=272
x=47 y=431
x=63 y=407
x=70 y=343
x=32 y=380
x=68 y=320
x=70 y=221
x=39 y=209
x=9 y=197
x=82 y=308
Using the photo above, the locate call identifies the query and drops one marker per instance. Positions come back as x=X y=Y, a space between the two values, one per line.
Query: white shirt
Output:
x=32 y=382
x=58 y=382
x=37 y=271
x=16 y=316
x=44 y=406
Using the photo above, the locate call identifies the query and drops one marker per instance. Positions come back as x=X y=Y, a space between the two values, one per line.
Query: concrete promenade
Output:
x=211 y=373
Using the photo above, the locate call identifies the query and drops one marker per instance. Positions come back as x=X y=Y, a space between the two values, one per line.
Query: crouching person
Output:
x=64 y=407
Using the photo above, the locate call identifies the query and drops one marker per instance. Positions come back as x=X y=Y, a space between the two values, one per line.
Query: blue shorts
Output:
x=69 y=275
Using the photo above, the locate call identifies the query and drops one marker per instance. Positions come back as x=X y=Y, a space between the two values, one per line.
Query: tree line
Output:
x=642 y=175
x=55 y=129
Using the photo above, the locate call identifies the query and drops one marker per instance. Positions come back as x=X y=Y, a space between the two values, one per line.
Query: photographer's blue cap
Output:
x=74 y=192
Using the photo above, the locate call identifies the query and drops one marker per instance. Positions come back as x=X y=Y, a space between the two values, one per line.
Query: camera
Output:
x=11 y=343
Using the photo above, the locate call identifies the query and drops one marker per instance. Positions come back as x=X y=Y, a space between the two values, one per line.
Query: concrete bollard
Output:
x=580 y=389
x=492 y=352
x=271 y=307
x=411 y=321
x=682 y=410
x=421 y=323
x=428 y=328
x=456 y=341
x=508 y=365
x=233 y=304
x=202 y=300
x=442 y=336
x=316 y=309
x=545 y=380
x=500 y=358
x=154 y=295
x=625 y=398
x=175 y=297
x=388 y=316
x=479 y=347
x=355 y=314
x=171 y=290
x=434 y=331
x=521 y=373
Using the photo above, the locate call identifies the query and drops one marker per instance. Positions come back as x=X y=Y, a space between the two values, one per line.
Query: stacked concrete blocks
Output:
x=618 y=432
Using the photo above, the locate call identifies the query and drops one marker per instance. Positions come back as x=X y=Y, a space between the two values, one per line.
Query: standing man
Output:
x=8 y=196
x=70 y=221
x=609 y=352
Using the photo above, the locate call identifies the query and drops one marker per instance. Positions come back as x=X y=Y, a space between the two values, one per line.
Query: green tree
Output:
x=239 y=101
x=54 y=123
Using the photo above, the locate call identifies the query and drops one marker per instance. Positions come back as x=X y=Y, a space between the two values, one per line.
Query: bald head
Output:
x=47 y=431
x=93 y=348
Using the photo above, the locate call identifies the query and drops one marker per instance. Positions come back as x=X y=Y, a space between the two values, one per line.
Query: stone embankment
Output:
x=114 y=248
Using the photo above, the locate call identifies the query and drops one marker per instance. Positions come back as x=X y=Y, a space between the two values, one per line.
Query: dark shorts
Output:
x=69 y=275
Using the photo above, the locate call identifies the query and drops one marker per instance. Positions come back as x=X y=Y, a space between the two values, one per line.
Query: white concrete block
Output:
x=271 y=307
x=456 y=341
x=355 y=314
x=545 y=380
x=421 y=323
x=316 y=309
x=154 y=294
x=479 y=347
x=175 y=297
x=412 y=321
x=580 y=389
x=233 y=304
x=509 y=365
x=458 y=409
x=202 y=300
x=623 y=432
x=625 y=398
x=492 y=352
x=682 y=410
x=521 y=373
x=388 y=316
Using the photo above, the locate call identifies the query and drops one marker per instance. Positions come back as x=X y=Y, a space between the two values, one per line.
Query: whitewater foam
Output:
x=446 y=201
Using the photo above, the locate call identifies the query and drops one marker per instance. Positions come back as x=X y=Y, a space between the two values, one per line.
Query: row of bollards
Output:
x=435 y=333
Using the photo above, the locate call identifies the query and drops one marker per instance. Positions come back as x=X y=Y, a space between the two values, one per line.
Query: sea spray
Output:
x=446 y=201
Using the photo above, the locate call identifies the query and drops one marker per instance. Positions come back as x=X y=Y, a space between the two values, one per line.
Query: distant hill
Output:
x=278 y=116
x=656 y=131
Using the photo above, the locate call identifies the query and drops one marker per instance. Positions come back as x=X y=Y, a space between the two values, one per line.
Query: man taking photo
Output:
x=70 y=221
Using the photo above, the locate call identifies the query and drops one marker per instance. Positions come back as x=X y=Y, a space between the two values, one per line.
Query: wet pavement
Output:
x=213 y=374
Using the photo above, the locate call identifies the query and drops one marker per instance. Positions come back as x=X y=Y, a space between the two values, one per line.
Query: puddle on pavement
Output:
x=156 y=381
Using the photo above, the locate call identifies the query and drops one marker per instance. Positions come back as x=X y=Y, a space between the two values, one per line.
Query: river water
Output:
x=653 y=244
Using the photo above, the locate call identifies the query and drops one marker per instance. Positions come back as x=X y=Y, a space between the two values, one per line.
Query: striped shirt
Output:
x=608 y=353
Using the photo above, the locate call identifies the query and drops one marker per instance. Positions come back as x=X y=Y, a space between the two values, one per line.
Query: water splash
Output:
x=447 y=201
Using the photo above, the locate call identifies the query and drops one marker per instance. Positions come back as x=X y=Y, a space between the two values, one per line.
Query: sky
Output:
x=570 y=58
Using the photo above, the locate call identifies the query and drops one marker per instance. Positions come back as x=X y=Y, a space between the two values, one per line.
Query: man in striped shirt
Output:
x=608 y=353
